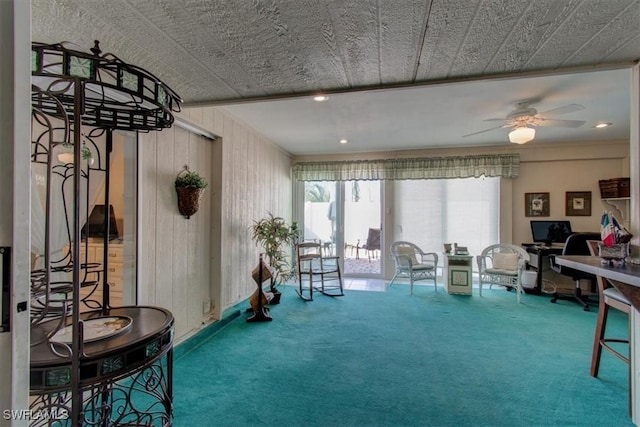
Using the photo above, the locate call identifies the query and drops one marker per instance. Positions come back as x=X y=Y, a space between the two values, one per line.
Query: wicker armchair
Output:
x=502 y=265
x=414 y=263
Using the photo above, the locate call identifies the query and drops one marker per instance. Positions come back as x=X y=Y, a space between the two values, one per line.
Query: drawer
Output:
x=114 y=254
x=87 y=254
x=116 y=300
x=115 y=285
x=114 y=271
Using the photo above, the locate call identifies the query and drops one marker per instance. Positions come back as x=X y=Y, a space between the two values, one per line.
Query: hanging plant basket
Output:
x=189 y=187
x=188 y=200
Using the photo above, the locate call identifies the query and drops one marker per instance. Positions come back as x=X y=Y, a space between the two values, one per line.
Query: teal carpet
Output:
x=392 y=359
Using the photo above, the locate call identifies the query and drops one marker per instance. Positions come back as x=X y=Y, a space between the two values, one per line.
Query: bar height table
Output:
x=627 y=280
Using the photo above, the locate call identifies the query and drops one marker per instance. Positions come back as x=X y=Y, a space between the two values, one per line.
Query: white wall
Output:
x=557 y=170
x=184 y=262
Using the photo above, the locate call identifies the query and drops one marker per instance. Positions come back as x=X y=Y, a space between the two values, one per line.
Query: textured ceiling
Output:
x=220 y=52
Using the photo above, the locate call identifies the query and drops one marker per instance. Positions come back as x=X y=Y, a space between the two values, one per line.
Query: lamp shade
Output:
x=522 y=135
x=65 y=157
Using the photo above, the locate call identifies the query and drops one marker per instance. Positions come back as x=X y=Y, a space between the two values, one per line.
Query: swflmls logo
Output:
x=29 y=414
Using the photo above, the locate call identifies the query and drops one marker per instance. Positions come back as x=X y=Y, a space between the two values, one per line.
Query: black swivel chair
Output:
x=576 y=244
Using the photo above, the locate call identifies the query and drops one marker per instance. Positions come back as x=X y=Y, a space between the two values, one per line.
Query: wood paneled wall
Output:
x=255 y=180
x=183 y=263
x=174 y=252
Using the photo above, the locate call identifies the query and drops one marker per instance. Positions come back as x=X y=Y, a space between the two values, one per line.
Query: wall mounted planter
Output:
x=189 y=187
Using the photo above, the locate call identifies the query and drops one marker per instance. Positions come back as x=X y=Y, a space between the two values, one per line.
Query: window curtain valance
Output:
x=499 y=165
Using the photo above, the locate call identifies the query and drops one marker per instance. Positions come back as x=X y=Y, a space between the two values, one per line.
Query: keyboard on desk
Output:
x=536 y=246
x=543 y=247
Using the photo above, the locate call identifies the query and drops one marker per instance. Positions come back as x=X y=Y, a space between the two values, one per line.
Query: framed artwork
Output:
x=459 y=278
x=536 y=204
x=578 y=203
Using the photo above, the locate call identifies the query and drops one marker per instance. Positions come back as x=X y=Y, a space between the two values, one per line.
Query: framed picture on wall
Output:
x=536 y=204
x=578 y=203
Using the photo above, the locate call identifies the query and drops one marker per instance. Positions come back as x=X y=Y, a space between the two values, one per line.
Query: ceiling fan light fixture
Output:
x=522 y=135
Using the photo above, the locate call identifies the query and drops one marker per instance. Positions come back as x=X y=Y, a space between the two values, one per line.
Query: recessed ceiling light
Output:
x=602 y=125
x=343 y=141
x=320 y=98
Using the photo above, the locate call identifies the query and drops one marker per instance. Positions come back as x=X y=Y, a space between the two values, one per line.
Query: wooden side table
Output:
x=458 y=276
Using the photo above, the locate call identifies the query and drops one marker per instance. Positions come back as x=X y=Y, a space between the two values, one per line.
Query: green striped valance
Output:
x=502 y=165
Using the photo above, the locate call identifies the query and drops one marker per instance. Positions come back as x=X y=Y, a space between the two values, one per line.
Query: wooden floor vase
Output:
x=260 y=311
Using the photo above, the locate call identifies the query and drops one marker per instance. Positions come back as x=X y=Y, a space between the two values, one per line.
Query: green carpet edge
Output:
x=200 y=337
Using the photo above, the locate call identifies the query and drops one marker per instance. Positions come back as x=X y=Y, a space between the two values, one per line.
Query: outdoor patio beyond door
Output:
x=346 y=218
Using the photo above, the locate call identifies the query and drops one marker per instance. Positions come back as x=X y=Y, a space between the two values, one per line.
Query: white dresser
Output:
x=95 y=255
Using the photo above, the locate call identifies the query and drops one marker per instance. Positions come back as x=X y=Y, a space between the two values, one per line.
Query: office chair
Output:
x=576 y=244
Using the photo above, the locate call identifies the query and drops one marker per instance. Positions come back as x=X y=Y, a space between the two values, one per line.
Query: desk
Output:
x=541 y=252
x=627 y=280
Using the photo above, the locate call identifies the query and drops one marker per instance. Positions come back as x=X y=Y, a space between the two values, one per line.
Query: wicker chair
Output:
x=414 y=263
x=502 y=265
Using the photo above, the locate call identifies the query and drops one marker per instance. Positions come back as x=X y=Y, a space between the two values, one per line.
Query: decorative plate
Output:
x=96 y=329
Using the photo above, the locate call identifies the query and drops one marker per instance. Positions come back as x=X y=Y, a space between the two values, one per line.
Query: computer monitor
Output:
x=550 y=231
x=96 y=222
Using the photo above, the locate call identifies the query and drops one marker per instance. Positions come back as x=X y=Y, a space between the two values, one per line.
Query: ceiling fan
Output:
x=525 y=118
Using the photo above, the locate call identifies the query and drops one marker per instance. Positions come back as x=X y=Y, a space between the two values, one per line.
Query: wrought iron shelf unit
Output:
x=97 y=363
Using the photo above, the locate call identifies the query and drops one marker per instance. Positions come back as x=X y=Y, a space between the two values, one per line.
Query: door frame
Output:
x=15 y=197
x=298 y=216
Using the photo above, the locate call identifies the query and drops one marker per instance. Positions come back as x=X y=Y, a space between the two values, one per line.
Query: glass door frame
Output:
x=298 y=216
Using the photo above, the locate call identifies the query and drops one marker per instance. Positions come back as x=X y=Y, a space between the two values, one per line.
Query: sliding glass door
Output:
x=362 y=229
x=321 y=214
x=436 y=211
x=345 y=218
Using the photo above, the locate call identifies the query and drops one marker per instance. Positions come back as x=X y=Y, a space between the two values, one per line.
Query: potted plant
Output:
x=189 y=186
x=275 y=236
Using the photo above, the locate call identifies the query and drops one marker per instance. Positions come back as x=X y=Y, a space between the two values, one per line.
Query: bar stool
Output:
x=609 y=296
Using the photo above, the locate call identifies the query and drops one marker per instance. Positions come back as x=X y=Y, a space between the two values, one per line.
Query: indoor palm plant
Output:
x=189 y=186
x=275 y=236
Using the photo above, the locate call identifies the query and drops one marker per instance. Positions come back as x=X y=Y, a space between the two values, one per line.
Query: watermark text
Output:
x=32 y=415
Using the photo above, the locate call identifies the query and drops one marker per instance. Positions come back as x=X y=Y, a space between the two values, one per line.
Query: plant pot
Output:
x=276 y=297
x=188 y=200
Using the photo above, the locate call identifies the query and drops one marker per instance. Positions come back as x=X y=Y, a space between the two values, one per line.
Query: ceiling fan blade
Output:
x=495 y=120
x=560 y=123
x=561 y=110
x=483 y=131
